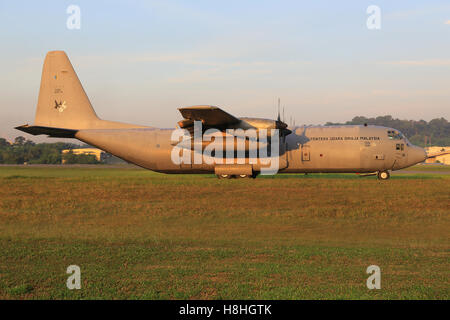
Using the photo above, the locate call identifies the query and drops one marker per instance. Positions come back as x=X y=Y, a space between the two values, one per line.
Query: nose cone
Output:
x=416 y=155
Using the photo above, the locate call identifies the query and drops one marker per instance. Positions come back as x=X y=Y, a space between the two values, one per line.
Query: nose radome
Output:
x=417 y=155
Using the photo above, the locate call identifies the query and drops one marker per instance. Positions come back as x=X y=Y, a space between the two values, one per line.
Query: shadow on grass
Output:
x=13 y=177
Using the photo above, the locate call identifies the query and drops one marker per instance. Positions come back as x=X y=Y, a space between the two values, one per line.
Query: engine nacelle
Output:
x=259 y=123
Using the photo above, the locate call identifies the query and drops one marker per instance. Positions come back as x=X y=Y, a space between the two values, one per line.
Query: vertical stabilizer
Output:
x=62 y=101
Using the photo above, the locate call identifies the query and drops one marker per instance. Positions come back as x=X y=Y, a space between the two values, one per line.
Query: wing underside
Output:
x=210 y=116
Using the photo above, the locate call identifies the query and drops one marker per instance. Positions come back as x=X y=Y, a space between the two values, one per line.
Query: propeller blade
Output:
x=278 y=118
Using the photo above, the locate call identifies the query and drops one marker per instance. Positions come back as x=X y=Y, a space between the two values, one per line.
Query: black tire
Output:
x=383 y=175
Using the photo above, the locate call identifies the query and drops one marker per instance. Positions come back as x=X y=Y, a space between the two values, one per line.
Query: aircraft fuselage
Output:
x=360 y=149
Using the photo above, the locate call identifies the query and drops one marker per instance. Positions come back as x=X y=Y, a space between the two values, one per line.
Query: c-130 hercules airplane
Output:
x=64 y=111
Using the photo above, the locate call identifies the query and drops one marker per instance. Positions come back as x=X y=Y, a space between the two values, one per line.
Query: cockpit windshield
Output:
x=395 y=135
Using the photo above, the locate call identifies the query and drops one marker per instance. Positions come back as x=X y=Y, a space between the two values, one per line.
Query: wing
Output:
x=210 y=116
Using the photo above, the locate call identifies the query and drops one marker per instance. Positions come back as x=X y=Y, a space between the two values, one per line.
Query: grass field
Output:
x=141 y=235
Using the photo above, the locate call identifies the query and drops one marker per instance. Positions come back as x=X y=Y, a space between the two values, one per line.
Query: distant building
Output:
x=100 y=155
x=438 y=155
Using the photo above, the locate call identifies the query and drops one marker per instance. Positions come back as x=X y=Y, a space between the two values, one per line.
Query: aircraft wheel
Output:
x=243 y=176
x=224 y=176
x=383 y=175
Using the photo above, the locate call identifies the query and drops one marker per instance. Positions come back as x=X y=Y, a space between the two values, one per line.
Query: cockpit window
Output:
x=395 y=135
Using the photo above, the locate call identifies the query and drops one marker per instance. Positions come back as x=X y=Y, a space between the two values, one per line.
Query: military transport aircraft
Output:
x=64 y=111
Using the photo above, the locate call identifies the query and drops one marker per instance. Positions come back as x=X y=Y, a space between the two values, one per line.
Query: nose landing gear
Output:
x=383 y=175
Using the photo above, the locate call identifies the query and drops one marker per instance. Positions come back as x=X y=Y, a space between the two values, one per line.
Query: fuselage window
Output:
x=397 y=146
x=403 y=146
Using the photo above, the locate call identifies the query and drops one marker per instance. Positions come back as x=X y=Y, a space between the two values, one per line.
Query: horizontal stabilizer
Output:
x=51 y=132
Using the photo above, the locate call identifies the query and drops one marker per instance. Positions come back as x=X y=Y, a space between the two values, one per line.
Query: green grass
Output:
x=429 y=167
x=142 y=235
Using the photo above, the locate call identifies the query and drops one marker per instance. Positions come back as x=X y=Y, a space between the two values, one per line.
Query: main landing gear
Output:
x=383 y=175
x=231 y=176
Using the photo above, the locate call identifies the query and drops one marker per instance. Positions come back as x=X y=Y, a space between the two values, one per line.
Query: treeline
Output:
x=435 y=132
x=26 y=151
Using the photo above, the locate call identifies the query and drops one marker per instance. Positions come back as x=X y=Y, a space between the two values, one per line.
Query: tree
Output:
x=29 y=143
x=19 y=140
x=3 y=143
x=27 y=151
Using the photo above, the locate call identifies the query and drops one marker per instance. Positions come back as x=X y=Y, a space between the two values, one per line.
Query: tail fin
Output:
x=62 y=101
x=63 y=107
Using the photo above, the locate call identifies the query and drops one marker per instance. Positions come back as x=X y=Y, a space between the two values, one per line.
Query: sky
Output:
x=141 y=60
